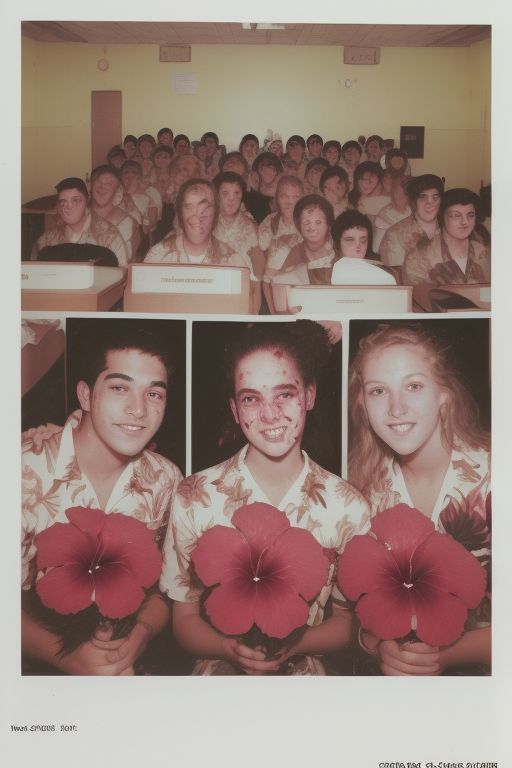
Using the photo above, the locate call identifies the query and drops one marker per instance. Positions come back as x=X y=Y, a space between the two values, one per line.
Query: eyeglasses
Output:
x=458 y=216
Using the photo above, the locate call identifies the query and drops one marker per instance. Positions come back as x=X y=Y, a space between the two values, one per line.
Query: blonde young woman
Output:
x=415 y=439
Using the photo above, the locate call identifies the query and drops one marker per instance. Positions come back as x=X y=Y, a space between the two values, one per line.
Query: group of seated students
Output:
x=307 y=212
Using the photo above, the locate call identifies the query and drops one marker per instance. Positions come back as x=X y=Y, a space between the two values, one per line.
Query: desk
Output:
x=107 y=289
x=478 y=293
x=184 y=288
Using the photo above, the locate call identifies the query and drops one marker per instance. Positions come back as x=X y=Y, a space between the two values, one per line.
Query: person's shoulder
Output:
x=162 y=251
x=40 y=441
x=199 y=488
x=336 y=486
x=162 y=464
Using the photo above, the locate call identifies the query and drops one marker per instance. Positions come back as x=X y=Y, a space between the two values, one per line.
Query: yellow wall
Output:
x=245 y=89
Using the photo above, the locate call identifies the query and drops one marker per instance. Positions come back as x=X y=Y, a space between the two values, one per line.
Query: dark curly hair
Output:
x=305 y=341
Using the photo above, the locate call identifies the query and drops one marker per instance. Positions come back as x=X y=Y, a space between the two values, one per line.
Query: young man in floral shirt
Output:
x=99 y=460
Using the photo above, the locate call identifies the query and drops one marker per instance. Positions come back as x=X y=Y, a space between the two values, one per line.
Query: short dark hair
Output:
x=165 y=148
x=101 y=169
x=313 y=137
x=248 y=137
x=73 y=182
x=162 y=131
x=459 y=196
x=146 y=137
x=233 y=155
x=229 y=177
x=130 y=164
x=313 y=201
x=210 y=135
x=331 y=172
x=267 y=158
x=116 y=151
x=332 y=143
x=296 y=139
x=377 y=138
x=368 y=166
x=419 y=184
x=117 y=335
x=129 y=138
x=196 y=182
x=347 y=220
x=315 y=162
x=352 y=145
x=181 y=137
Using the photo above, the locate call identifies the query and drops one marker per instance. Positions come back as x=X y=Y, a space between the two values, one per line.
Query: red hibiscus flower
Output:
x=96 y=558
x=263 y=572
x=405 y=576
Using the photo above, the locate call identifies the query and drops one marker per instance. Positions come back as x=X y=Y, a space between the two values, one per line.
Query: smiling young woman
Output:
x=415 y=438
x=271 y=380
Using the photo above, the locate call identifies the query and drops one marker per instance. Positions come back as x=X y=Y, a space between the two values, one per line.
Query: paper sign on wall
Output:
x=184 y=83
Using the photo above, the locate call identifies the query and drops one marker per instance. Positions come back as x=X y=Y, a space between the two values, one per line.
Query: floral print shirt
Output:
x=462 y=508
x=171 y=250
x=242 y=237
x=277 y=240
x=401 y=239
x=432 y=263
x=52 y=482
x=95 y=231
x=318 y=501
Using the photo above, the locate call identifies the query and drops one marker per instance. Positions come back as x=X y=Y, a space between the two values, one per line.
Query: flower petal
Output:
x=363 y=566
x=440 y=618
x=128 y=541
x=220 y=555
x=230 y=606
x=386 y=614
x=117 y=592
x=260 y=523
x=63 y=544
x=68 y=589
x=447 y=566
x=278 y=610
x=87 y=519
x=299 y=560
x=403 y=528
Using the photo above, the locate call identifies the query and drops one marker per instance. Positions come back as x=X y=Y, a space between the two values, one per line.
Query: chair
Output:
x=182 y=288
x=79 y=252
x=446 y=301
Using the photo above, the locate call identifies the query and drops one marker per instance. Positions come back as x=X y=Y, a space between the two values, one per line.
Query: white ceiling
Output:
x=212 y=33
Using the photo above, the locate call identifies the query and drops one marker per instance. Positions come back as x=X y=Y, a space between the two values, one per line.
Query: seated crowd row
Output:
x=318 y=224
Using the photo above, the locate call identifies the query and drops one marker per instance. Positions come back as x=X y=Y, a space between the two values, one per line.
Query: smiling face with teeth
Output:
x=403 y=400
x=271 y=402
x=126 y=405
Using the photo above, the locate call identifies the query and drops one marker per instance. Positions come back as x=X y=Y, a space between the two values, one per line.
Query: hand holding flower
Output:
x=408 y=658
x=252 y=661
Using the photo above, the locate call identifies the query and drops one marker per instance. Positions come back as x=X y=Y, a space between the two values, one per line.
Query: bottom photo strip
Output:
x=225 y=497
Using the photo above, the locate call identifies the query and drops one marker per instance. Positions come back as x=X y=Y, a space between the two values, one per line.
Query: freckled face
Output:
x=403 y=400
x=271 y=402
x=127 y=402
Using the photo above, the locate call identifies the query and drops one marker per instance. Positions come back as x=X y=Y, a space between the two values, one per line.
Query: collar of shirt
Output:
x=258 y=493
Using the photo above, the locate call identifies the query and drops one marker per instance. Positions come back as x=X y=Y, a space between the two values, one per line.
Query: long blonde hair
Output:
x=369 y=454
